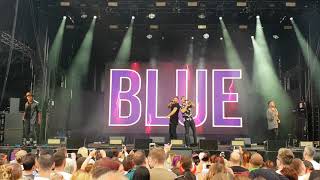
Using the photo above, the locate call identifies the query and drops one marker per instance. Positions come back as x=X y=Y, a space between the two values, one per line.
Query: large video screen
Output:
x=136 y=98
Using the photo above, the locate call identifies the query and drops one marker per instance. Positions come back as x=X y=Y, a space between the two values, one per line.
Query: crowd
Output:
x=159 y=164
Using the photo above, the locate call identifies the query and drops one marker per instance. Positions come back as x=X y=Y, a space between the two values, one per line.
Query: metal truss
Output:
x=5 y=38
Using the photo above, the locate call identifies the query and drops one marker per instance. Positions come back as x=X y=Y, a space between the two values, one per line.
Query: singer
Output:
x=273 y=120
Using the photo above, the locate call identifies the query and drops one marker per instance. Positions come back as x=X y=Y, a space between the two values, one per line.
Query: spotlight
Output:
x=133 y=17
x=258 y=17
x=220 y=18
x=84 y=15
x=241 y=3
x=64 y=17
x=275 y=36
x=221 y=38
x=252 y=37
x=149 y=36
x=192 y=38
x=206 y=36
x=202 y=16
x=151 y=15
x=291 y=19
x=94 y=17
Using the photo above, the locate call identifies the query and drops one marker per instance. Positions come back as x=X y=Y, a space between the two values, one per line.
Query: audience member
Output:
x=112 y=175
x=60 y=163
x=218 y=170
x=28 y=163
x=44 y=164
x=3 y=159
x=18 y=156
x=235 y=164
x=186 y=165
x=12 y=171
x=246 y=155
x=81 y=175
x=141 y=173
x=315 y=175
x=308 y=154
x=289 y=172
x=299 y=167
x=139 y=159
x=309 y=169
x=176 y=164
x=284 y=158
x=156 y=158
x=256 y=162
x=269 y=164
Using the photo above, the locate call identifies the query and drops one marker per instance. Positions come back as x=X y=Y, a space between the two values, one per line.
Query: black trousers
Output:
x=30 y=130
x=187 y=125
x=273 y=134
x=173 y=131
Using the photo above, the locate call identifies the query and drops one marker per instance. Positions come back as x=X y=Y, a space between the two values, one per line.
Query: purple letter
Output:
x=117 y=95
x=201 y=93
x=152 y=118
x=220 y=97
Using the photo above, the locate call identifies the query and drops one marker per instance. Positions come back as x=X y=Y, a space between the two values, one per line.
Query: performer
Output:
x=31 y=119
x=186 y=106
x=174 y=117
x=273 y=120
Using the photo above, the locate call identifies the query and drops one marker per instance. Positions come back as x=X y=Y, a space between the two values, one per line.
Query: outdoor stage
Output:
x=269 y=153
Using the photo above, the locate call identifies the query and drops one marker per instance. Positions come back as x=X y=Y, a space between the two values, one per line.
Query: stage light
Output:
x=206 y=36
x=192 y=3
x=202 y=26
x=220 y=18
x=113 y=26
x=221 y=38
x=243 y=26
x=291 y=19
x=287 y=27
x=151 y=15
x=112 y=3
x=133 y=17
x=202 y=16
x=291 y=3
x=95 y=17
x=65 y=3
x=252 y=37
x=241 y=3
x=154 y=26
x=258 y=17
x=192 y=38
x=83 y=15
x=149 y=36
x=275 y=36
x=161 y=3
x=64 y=17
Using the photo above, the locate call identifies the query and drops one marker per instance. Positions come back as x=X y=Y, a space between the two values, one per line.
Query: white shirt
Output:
x=316 y=166
x=66 y=176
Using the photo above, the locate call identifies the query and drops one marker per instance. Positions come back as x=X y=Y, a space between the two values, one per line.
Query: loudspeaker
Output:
x=275 y=145
x=14 y=105
x=142 y=143
x=208 y=144
x=13 y=131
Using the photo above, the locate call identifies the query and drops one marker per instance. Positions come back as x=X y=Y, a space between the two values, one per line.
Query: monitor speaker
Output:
x=275 y=145
x=177 y=142
x=142 y=143
x=208 y=144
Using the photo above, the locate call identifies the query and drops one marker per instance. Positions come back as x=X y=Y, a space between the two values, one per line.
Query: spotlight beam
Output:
x=55 y=50
x=309 y=56
x=123 y=55
x=265 y=78
x=80 y=64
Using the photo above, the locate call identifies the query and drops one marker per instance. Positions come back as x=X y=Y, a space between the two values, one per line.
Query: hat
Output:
x=29 y=94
